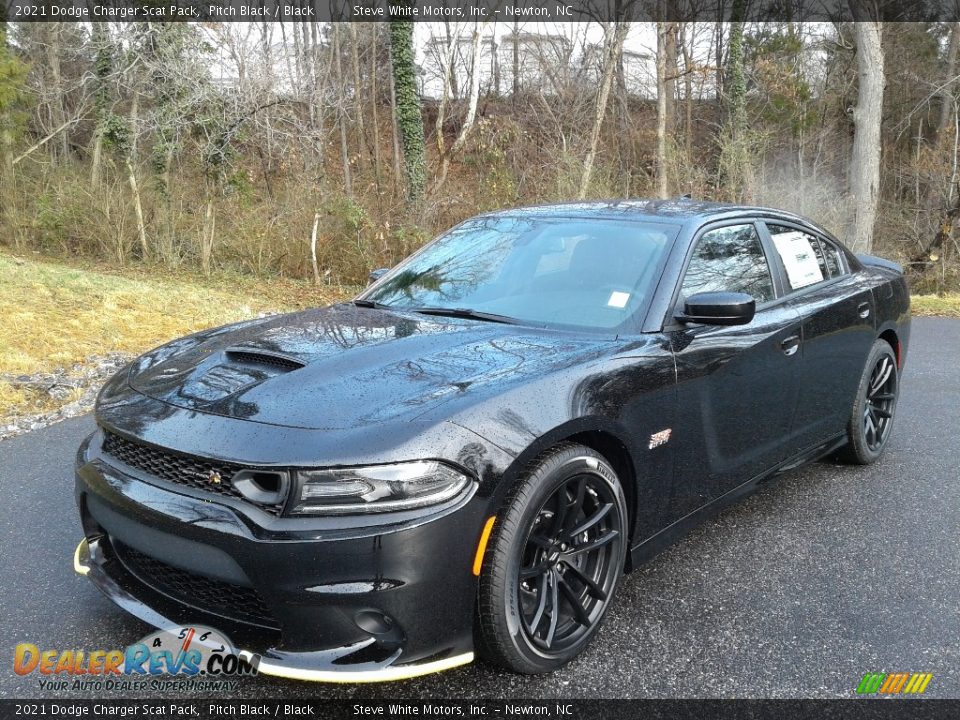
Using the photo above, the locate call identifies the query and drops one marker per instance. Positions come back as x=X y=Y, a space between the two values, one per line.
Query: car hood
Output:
x=345 y=366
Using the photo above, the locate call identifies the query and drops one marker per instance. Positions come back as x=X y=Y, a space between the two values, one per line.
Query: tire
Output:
x=571 y=554
x=871 y=418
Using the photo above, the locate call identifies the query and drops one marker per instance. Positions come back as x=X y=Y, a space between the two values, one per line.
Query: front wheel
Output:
x=553 y=562
x=872 y=416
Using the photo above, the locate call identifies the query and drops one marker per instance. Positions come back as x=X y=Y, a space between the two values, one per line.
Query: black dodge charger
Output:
x=468 y=457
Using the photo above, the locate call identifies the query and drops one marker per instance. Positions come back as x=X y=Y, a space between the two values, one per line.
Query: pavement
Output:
x=821 y=576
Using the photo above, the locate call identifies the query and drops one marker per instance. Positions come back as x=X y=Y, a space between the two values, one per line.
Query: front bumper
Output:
x=316 y=602
x=88 y=560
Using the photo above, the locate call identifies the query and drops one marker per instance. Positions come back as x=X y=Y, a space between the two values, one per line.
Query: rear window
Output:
x=806 y=258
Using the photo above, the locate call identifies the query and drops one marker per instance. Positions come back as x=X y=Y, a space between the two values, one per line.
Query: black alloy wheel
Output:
x=878 y=409
x=872 y=417
x=556 y=555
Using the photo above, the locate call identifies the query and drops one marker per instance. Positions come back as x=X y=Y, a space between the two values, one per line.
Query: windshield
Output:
x=592 y=273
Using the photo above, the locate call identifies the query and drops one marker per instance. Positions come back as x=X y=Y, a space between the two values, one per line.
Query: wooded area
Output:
x=326 y=149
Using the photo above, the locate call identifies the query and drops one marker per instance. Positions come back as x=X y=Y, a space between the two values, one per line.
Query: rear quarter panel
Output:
x=891 y=296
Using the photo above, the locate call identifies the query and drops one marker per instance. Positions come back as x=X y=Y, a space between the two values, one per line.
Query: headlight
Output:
x=377 y=488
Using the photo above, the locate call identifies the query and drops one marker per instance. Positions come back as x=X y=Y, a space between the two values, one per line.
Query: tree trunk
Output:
x=924 y=259
x=313 y=249
x=947 y=94
x=6 y=126
x=375 y=111
x=306 y=63
x=516 y=62
x=169 y=240
x=735 y=83
x=355 y=57
x=662 y=105
x=865 y=158
x=613 y=46
x=341 y=112
x=291 y=75
x=209 y=234
x=719 y=62
x=138 y=208
x=670 y=75
x=298 y=58
x=445 y=95
x=450 y=69
x=471 y=117
x=103 y=66
x=395 y=130
x=6 y=165
x=96 y=156
x=58 y=113
x=408 y=111
x=130 y=159
x=625 y=144
x=736 y=174
x=688 y=101
x=267 y=156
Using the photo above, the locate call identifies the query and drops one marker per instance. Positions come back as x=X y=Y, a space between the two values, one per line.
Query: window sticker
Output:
x=799 y=259
x=618 y=299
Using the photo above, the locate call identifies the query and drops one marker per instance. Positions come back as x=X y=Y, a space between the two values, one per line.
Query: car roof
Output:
x=676 y=211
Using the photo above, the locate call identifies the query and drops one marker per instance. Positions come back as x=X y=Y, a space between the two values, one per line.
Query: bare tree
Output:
x=374 y=109
x=666 y=83
x=948 y=92
x=57 y=110
x=130 y=160
x=355 y=60
x=102 y=66
x=615 y=34
x=395 y=130
x=471 y=115
x=864 y=178
x=341 y=110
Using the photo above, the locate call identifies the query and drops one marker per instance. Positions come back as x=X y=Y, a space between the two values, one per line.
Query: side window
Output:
x=806 y=258
x=729 y=259
x=831 y=255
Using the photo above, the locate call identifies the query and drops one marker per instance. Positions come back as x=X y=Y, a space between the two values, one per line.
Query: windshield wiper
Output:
x=369 y=304
x=464 y=313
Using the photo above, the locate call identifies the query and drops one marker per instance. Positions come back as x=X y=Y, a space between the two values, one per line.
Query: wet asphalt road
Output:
x=818 y=578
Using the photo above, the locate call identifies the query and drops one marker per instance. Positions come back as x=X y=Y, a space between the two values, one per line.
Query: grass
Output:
x=53 y=315
x=935 y=305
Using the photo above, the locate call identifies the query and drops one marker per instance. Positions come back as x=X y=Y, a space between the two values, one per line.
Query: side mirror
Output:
x=718 y=308
x=376 y=275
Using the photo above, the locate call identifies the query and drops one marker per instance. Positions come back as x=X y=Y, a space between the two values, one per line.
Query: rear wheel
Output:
x=553 y=563
x=872 y=416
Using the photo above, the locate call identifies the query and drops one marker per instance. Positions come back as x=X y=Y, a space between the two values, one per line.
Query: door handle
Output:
x=863 y=309
x=790 y=345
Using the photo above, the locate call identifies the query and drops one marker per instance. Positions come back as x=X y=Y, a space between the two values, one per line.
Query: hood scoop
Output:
x=244 y=368
x=247 y=356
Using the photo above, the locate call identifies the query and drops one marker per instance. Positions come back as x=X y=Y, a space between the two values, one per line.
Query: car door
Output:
x=837 y=318
x=737 y=386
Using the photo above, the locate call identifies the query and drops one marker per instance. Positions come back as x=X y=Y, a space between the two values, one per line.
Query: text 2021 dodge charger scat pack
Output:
x=468 y=457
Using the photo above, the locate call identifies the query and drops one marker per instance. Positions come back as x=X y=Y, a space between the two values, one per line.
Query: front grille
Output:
x=184 y=470
x=214 y=596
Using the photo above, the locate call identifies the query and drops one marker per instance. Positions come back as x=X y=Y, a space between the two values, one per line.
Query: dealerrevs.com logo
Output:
x=167 y=658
